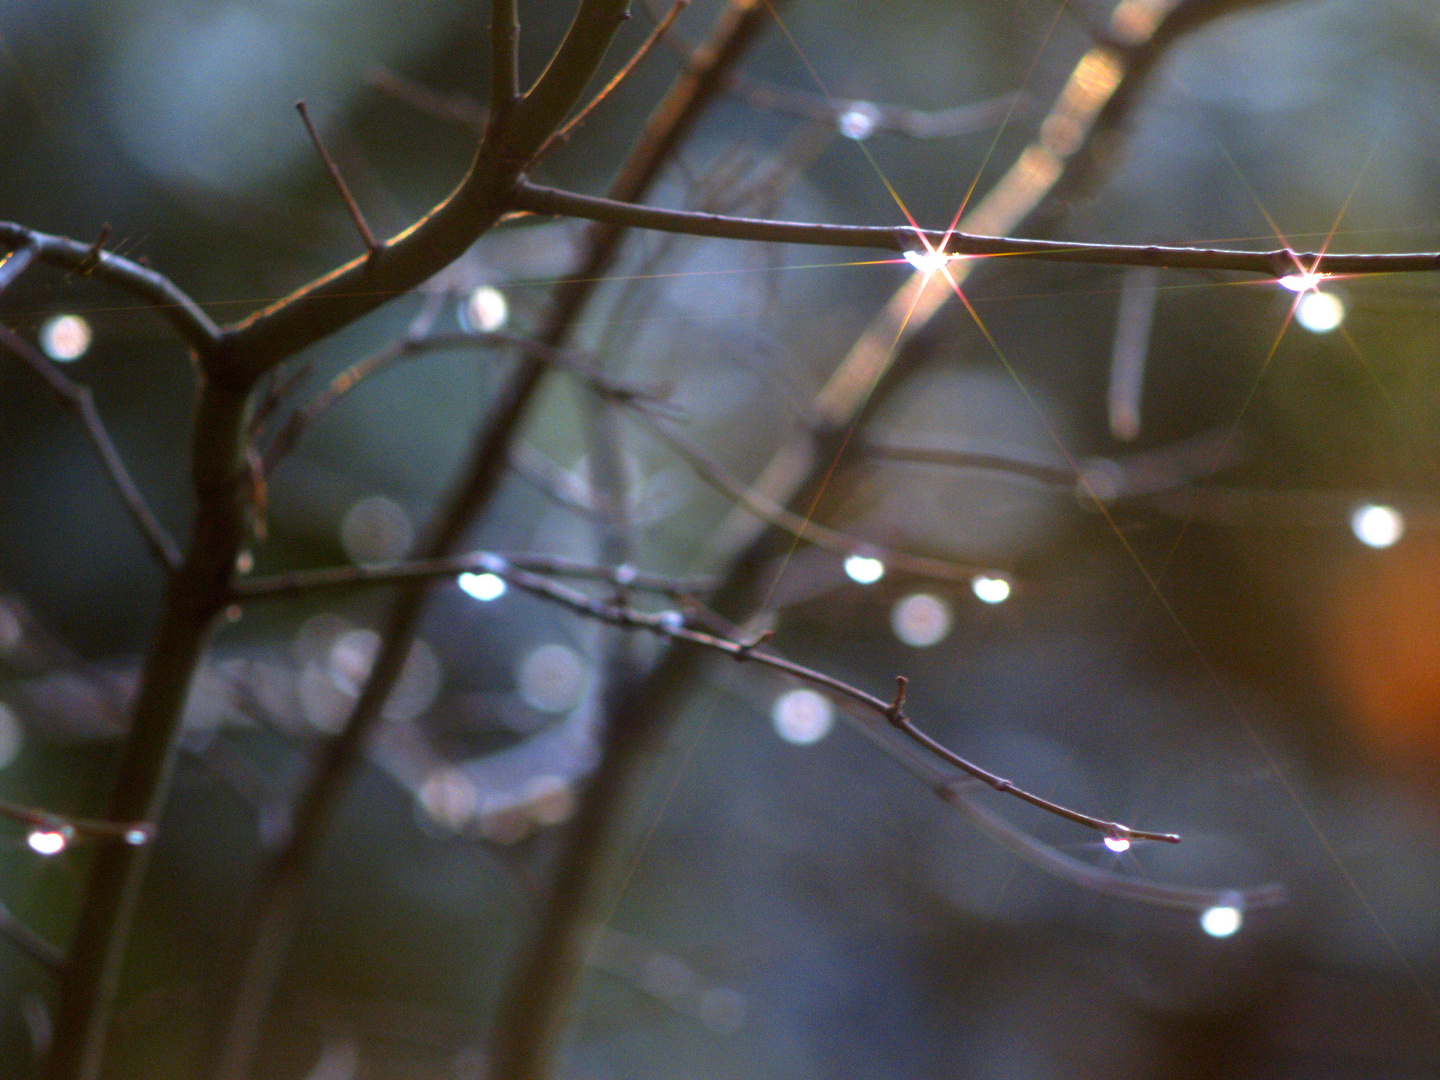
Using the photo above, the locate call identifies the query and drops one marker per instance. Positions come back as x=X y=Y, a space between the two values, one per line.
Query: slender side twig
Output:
x=562 y=136
x=1138 y=293
x=480 y=562
x=458 y=108
x=670 y=625
x=79 y=398
x=504 y=56
x=1276 y=263
x=351 y=206
x=135 y=833
x=1131 y=476
x=804 y=528
x=29 y=942
x=878 y=116
x=580 y=367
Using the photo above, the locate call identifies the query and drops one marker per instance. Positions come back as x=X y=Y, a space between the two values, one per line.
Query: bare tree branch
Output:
x=193 y=325
x=1276 y=263
x=82 y=402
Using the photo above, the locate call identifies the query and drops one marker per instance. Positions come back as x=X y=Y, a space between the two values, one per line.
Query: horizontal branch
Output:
x=480 y=562
x=1276 y=263
x=196 y=328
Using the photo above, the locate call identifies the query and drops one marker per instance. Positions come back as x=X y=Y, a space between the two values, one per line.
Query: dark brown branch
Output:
x=79 y=399
x=562 y=136
x=193 y=325
x=504 y=56
x=1276 y=263
x=351 y=206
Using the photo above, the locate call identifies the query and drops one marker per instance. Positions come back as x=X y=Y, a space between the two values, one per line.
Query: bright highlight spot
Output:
x=921 y=620
x=1298 y=283
x=46 y=841
x=1117 y=844
x=802 y=716
x=65 y=338
x=1377 y=526
x=1222 y=920
x=864 y=569
x=858 y=121
x=1320 y=312
x=927 y=262
x=482 y=586
x=992 y=590
x=485 y=309
x=137 y=837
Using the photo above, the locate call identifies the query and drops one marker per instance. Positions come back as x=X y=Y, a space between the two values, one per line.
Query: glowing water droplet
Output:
x=1225 y=917
x=802 y=716
x=864 y=569
x=1298 y=283
x=65 y=338
x=482 y=586
x=485 y=309
x=992 y=590
x=858 y=121
x=1377 y=526
x=47 y=841
x=1117 y=844
x=137 y=837
x=927 y=262
x=1320 y=312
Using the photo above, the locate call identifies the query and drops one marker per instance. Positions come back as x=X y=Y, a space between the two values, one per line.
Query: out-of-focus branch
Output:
x=29 y=942
x=802 y=527
x=82 y=402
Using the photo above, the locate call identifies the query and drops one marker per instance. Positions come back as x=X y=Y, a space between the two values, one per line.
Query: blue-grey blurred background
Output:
x=793 y=903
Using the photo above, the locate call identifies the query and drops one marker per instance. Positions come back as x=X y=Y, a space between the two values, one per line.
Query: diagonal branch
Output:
x=82 y=402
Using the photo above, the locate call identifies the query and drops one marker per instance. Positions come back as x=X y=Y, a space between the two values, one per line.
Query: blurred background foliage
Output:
x=790 y=908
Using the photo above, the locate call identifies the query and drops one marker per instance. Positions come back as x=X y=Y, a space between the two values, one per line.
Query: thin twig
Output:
x=372 y=245
x=562 y=136
x=79 y=398
x=29 y=942
x=666 y=624
x=480 y=562
x=579 y=367
x=805 y=528
x=879 y=116
x=134 y=833
x=1275 y=263
x=461 y=108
